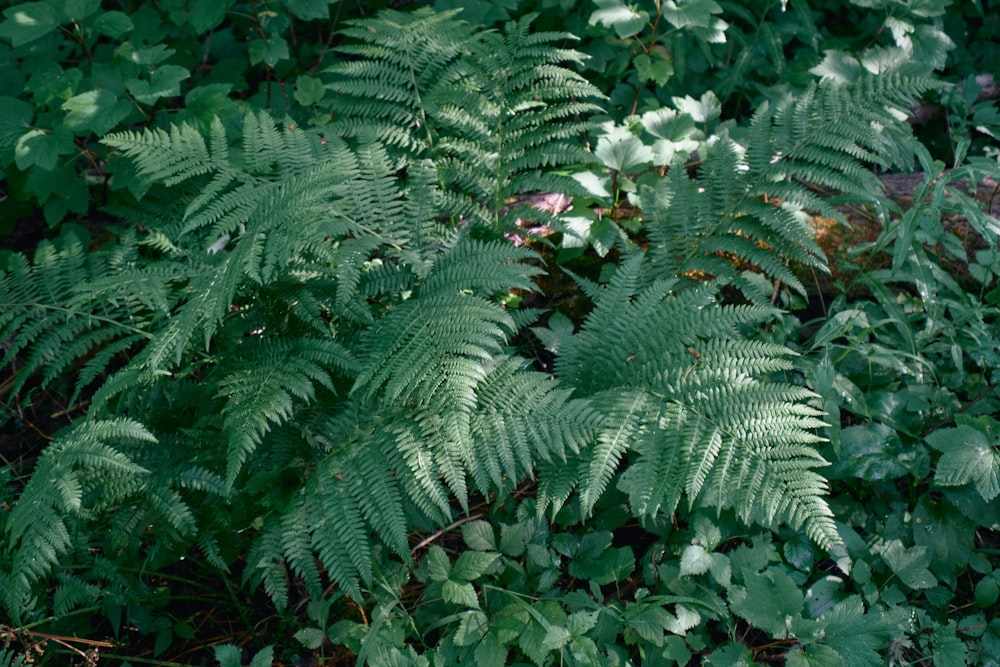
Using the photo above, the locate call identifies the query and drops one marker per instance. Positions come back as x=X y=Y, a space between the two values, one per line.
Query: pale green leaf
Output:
x=627 y=20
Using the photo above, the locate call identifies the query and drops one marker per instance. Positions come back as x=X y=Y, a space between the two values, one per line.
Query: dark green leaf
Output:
x=205 y=15
x=308 y=10
x=910 y=565
x=97 y=111
x=27 y=22
x=163 y=82
x=113 y=24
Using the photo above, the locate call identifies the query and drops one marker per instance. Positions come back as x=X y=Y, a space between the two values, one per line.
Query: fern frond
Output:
x=263 y=384
x=37 y=530
x=401 y=59
x=750 y=203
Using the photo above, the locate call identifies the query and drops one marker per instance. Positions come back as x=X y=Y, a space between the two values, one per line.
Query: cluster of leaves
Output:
x=304 y=370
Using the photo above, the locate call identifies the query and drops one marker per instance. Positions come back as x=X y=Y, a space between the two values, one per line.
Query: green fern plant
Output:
x=312 y=334
x=750 y=203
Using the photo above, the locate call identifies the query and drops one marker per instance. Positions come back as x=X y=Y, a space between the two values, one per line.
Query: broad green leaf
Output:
x=113 y=24
x=228 y=655
x=479 y=535
x=705 y=109
x=270 y=51
x=27 y=22
x=620 y=150
x=471 y=629
x=310 y=9
x=309 y=90
x=838 y=66
x=967 y=455
x=438 y=565
x=460 y=592
x=97 y=111
x=491 y=652
x=311 y=638
x=15 y=119
x=263 y=657
x=147 y=57
x=36 y=148
x=164 y=81
x=657 y=69
x=855 y=635
x=49 y=81
x=813 y=655
x=910 y=565
x=627 y=20
x=695 y=560
x=870 y=452
x=691 y=13
x=208 y=101
x=77 y=10
x=472 y=564
x=649 y=621
x=205 y=15
x=514 y=538
x=596 y=185
x=949 y=650
x=768 y=600
x=987 y=592
x=947 y=534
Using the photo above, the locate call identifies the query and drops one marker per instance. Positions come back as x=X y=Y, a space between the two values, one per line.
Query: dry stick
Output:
x=423 y=543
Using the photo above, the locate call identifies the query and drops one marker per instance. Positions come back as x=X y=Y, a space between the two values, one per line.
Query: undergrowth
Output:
x=311 y=358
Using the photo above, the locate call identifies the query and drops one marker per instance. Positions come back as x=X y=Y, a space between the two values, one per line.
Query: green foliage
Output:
x=301 y=368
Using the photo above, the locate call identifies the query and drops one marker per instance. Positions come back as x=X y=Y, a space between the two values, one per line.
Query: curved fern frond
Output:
x=750 y=203
x=85 y=460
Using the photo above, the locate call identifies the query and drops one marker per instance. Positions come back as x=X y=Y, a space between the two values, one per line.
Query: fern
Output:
x=496 y=112
x=309 y=325
x=67 y=476
x=751 y=201
x=691 y=400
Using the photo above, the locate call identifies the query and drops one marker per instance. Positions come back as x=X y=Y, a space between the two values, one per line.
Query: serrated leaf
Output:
x=695 y=560
x=228 y=655
x=438 y=565
x=514 y=539
x=838 y=66
x=967 y=455
x=77 y=10
x=478 y=535
x=263 y=657
x=309 y=90
x=472 y=628
x=910 y=565
x=311 y=638
x=491 y=652
x=949 y=650
x=15 y=119
x=870 y=452
x=460 y=592
x=769 y=600
x=649 y=621
x=270 y=51
x=472 y=564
